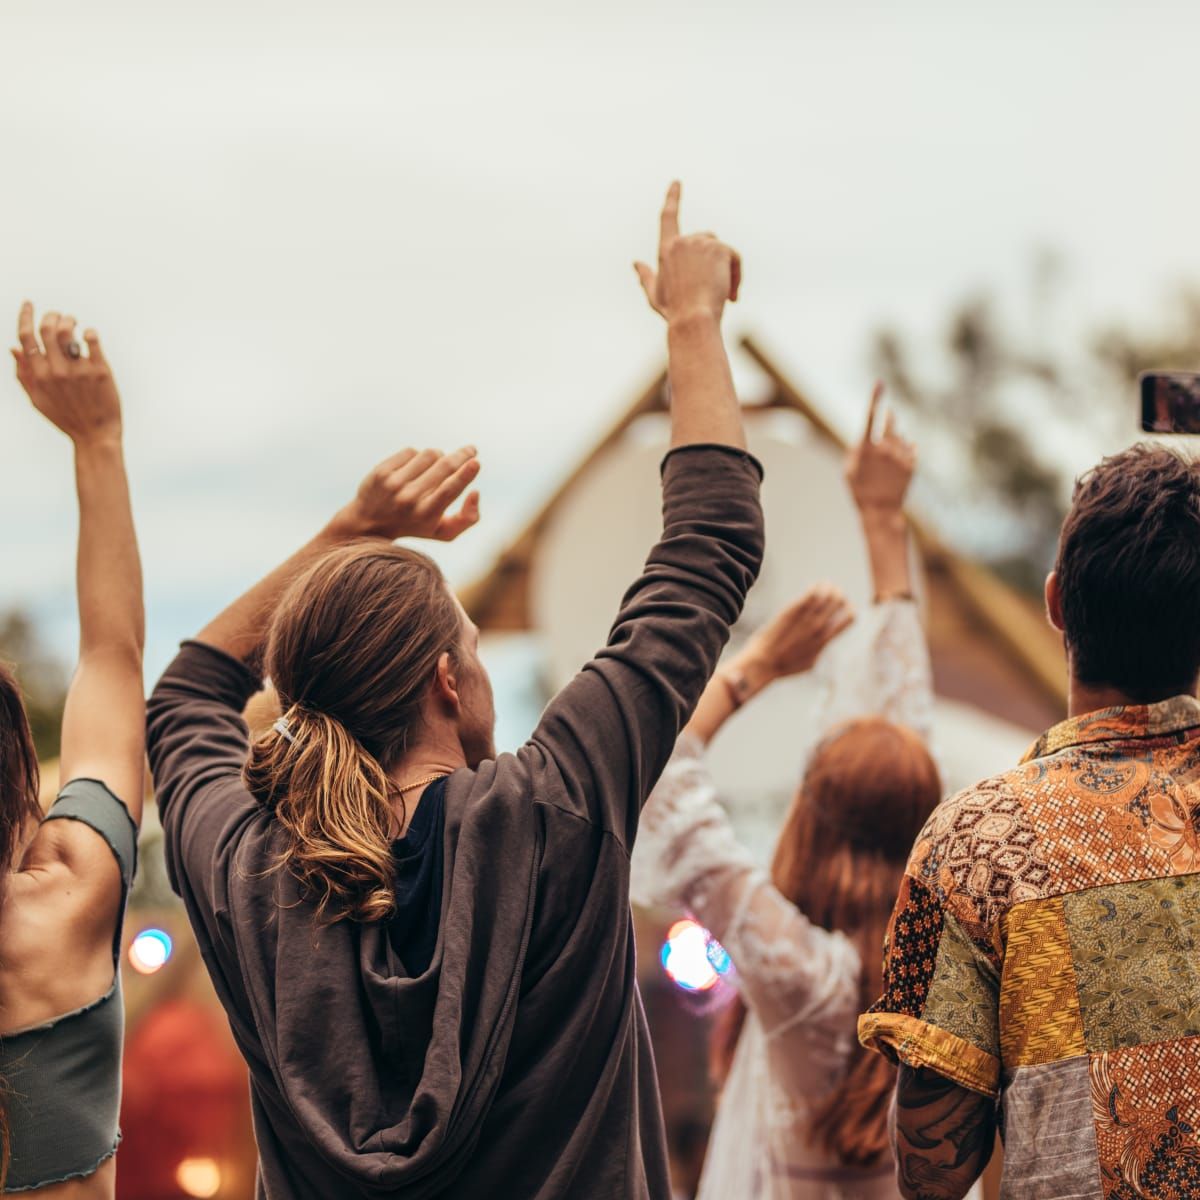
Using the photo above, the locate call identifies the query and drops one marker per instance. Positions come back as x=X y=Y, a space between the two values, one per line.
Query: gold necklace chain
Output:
x=408 y=787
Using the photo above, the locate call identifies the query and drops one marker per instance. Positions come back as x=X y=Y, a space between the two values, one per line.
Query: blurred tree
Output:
x=1006 y=420
x=42 y=677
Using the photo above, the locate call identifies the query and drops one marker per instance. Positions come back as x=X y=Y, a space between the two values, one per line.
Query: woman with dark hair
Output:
x=67 y=875
x=803 y=1111
x=425 y=948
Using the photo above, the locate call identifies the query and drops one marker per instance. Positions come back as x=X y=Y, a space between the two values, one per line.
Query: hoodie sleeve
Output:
x=197 y=742
x=605 y=738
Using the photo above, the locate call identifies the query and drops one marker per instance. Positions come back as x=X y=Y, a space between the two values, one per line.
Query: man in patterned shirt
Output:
x=1041 y=970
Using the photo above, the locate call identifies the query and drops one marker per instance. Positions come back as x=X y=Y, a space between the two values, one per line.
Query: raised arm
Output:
x=605 y=738
x=103 y=722
x=696 y=275
x=879 y=470
x=196 y=731
x=407 y=495
x=787 y=645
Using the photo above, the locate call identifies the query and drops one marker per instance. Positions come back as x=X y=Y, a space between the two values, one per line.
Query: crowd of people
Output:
x=425 y=949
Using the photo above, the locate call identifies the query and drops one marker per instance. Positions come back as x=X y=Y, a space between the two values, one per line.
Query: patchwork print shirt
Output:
x=1045 y=950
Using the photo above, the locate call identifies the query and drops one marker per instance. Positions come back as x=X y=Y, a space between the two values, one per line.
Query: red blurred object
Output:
x=185 y=1096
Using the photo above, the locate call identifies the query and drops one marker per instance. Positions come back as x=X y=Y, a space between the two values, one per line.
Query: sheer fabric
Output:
x=800 y=982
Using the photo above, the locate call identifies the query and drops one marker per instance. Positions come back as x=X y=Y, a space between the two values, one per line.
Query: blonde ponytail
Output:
x=352 y=651
x=333 y=799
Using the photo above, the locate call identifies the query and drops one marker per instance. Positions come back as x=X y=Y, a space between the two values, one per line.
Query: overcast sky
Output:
x=314 y=233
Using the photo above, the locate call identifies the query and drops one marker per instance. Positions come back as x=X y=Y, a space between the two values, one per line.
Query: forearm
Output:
x=885 y=532
x=942 y=1135
x=732 y=686
x=108 y=569
x=240 y=630
x=704 y=405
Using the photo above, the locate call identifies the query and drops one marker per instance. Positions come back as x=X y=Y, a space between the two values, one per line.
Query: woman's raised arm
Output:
x=103 y=723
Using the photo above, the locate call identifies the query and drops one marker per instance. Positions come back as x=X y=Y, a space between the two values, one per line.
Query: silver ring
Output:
x=72 y=349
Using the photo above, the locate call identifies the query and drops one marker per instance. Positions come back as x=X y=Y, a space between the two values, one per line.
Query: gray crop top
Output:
x=63 y=1078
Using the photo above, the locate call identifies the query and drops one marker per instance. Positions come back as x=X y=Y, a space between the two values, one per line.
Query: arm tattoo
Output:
x=942 y=1134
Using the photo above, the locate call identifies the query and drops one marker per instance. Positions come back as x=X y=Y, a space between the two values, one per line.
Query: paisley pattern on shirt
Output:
x=1068 y=892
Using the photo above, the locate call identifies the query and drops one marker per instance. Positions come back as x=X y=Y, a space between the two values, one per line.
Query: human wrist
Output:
x=97 y=443
x=750 y=671
x=347 y=525
x=693 y=320
x=883 y=520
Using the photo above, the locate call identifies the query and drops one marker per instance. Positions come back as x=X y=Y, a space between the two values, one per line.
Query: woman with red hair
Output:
x=803 y=1110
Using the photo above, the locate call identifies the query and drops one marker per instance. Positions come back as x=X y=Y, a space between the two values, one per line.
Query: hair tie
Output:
x=284 y=730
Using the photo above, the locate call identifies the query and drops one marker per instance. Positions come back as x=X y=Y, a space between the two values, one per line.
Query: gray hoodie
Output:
x=518 y=1065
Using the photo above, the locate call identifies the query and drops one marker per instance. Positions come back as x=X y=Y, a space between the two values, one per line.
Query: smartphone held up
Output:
x=1170 y=401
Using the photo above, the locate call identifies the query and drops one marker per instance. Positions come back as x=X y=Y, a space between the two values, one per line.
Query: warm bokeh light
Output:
x=199 y=1177
x=693 y=958
x=149 y=952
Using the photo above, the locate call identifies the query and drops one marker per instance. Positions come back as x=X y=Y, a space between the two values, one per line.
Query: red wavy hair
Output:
x=868 y=790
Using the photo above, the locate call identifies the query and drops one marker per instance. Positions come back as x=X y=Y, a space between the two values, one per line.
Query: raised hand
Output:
x=75 y=391
x=879 y=470
x=791 y=641
x=696 y=273
x=408 y=495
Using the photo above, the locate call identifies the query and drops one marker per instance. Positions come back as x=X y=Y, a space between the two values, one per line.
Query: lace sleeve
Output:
x=687 y=854
x=788 y=969
x=902 y=678
x=888 y=674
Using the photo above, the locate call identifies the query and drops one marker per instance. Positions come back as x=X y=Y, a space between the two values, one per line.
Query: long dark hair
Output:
x=864 y=798
x=19 y=781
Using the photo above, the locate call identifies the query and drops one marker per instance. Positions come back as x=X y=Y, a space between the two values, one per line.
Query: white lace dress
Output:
x=800 y=982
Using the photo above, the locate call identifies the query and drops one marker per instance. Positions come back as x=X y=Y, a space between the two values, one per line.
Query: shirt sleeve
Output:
x=941 y=990
x=787 y=969
x=893 y=678
x=197 y=743
x=604 y=739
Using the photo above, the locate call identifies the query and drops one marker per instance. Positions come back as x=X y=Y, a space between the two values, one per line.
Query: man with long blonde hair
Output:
x=425 y=949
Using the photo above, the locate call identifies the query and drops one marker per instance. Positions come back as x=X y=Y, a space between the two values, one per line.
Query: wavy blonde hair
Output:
x=352 y=650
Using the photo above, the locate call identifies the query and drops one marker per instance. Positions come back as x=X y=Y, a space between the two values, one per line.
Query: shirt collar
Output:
x=1118 y=724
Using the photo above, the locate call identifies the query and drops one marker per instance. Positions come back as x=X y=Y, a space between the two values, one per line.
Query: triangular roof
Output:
x=991 y=645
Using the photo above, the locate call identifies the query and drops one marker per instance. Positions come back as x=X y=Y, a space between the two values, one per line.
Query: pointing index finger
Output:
x=876 y=397
x=668 y=226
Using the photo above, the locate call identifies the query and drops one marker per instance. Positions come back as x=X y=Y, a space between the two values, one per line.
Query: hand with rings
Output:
x=73 y=390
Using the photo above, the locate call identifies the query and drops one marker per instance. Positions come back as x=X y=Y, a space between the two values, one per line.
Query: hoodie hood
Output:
x=389 y=1077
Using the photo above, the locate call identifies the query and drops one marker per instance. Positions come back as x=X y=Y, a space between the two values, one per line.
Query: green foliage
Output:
x=1013 y=417
x=42 y=677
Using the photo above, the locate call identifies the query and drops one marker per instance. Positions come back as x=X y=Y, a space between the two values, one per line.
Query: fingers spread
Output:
x=65 y=334
x=95 y=351
x=394 y=462
x=668 y=224
x=444 y=495
x=449 y=527
x=49 y=332
x=412 y=469
x=443 y=466
x=25 y=334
